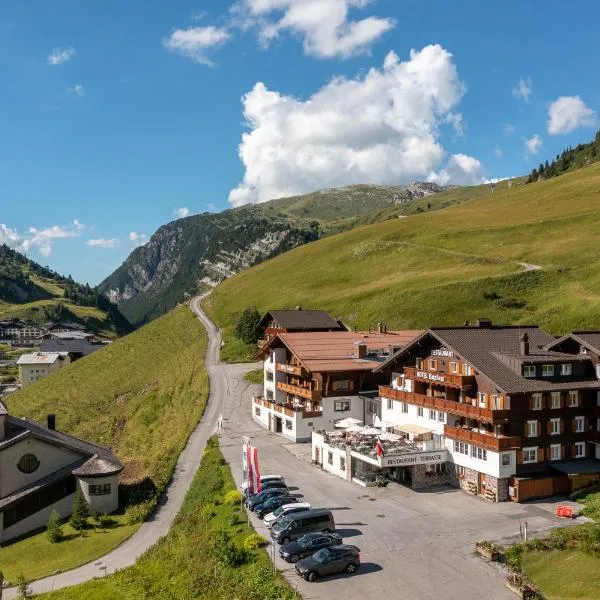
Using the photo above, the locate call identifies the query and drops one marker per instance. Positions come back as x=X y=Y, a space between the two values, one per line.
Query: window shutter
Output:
x=539 y=428
x=549 y=427
x=573 y=425
x=562 y=425
x=573 y=451
x=586 y=424
x=540 y=455
x=548 y=454
x=519 y=456
x=530 y=401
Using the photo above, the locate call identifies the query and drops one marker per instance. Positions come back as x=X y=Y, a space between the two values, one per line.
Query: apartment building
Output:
x=37 y=365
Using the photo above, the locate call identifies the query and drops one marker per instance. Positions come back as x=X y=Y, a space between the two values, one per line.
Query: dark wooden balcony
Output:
x=291 y=369
x=302 y=392
x=450 y=379
x=485 y=440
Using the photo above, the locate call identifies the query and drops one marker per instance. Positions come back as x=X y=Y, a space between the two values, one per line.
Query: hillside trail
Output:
x=159 y=524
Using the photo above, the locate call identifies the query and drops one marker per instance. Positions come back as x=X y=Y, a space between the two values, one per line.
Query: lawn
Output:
x=75 y=549
x=564 y=574
x=255 y=376
x=235 y=350
x=142 y=395
x=190 y=562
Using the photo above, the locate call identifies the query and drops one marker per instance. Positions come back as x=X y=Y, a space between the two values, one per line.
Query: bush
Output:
x=23 y=590
x=247 y=327
x=79 y=512
x=207 y=512
x=225 y=551
x=557 y=539
x=535 y=545
x=54 y=532
x=233 y=498
x=513 y=556
x=137 y=513
x=254 y=541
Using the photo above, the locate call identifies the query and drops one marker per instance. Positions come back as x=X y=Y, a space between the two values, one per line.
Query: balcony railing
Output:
x=288 y=388
x=291 y=369
x=462 y=409
x=485 y=440
x=288 y=409
x=458 y=381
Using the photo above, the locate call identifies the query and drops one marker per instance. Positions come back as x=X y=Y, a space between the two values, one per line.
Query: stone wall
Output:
x=421 y=478
x=496 y=489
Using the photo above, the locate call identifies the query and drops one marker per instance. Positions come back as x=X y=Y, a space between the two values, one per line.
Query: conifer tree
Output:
x=79 y=512
x=53 y=531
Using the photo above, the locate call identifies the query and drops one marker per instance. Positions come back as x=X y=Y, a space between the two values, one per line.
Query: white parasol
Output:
x=347 y=422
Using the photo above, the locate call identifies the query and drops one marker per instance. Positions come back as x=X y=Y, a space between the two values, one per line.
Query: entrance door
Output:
x=318 y=455
x=278 y=425
x=481 y=483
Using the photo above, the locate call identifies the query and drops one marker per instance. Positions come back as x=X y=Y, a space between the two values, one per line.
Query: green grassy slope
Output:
x=447 y=266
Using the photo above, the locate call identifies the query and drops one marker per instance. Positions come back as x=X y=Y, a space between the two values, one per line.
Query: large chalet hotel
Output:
x=504 y=412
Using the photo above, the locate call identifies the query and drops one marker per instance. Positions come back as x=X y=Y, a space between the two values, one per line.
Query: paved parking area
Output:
x=414 y=545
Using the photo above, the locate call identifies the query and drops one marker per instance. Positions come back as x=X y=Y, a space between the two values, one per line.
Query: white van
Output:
x=264 y=478
x=286 y=509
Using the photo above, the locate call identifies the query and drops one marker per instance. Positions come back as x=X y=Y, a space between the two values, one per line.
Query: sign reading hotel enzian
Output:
x=420 y=458
x=430 y=376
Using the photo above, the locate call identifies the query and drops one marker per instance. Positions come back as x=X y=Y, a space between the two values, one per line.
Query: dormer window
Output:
x=547 y=370
x=453 y=367
x=528 y=370
x=566 y=369
x=433 y=364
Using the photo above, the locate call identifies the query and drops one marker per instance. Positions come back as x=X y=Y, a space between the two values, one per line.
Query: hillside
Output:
x=449 y=266
x=32 y=292
x=200 y=251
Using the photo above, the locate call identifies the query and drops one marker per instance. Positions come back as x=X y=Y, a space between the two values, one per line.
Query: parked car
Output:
x=329 y=561
x=267 y=485
x=291 y=527
x=307 y=545
x=264 y=508
x=286 y=509
x=264 y=496
x=263 y=480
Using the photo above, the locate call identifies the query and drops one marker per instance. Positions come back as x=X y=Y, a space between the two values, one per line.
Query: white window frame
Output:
x=528 y=370
x=533 y=449
x=579 y=424
x=529 y=424
x=537 y=401
x=579 y=449
x=433 y=364
x=467 y=370
x=441 y=417
x=496 y=402
x=550 y=369
x=553 y=448
x=555 y=400
x=405 y=408
x=390 y=404
x=506 y=459
x=432 y=415
x=566 y=369
x=554 y=422
x=453 y=367
x=481 y=398
x=420 y=411
x=573 y=395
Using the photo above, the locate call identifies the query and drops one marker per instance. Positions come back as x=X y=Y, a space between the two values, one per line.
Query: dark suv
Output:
x=264 y=496
x=307 y=545
x=328 y=561
x=264 y=508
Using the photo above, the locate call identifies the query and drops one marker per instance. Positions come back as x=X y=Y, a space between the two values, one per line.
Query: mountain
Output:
x=32 y=292
x=519 y=254
x=200 y=251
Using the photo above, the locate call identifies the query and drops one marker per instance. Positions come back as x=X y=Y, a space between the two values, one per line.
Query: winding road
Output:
x=189 y=460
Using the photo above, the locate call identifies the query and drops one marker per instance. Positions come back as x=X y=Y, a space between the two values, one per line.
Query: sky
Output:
x=118 y=117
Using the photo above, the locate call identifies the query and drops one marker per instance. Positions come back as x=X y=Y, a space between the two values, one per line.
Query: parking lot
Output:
x=413 y=545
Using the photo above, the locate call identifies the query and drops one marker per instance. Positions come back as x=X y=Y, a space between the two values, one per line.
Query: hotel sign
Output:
x=442 y=352
x=430 y=376
x=409 y=460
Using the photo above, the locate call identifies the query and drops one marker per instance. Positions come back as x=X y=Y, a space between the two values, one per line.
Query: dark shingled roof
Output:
x=72 y=346
x=97 y=466
x=589 y=339
x=302 y=320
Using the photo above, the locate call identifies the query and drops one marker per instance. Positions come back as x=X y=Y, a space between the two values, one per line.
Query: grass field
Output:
x=141 y=395
x=188 y=562
x=447 y=266
x=256 y=376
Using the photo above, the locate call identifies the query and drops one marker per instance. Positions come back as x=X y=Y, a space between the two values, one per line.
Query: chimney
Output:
x=298 y=308
x=379 y=328
x=524 y=344
x=360 y=350
x=52 y=421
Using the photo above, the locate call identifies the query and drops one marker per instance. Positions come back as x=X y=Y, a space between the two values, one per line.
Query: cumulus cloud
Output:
x=323 y=26
x=460 y=170
x=533 y=144
x=194 y=42
x=40 y=240
x=137 y=239
x=568 y=113
x=524 y=89
x=381 y=127
x=59 y=56
x=77 y=90
x=182 y=212
x=103 y=243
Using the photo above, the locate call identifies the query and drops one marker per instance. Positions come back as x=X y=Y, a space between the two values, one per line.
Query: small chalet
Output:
x=40 y=469
x=37 y=365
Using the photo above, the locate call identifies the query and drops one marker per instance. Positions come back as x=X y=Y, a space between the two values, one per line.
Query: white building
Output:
x=37 y=365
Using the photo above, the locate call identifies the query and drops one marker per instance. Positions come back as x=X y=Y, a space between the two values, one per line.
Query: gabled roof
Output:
x=588 y=339
x=301 y=319
x=40 y=358
x=71 y=346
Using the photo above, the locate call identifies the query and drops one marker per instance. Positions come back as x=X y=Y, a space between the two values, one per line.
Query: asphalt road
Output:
x=160 y=523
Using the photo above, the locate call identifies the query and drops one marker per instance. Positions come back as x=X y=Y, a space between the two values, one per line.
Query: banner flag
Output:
x=254 y=485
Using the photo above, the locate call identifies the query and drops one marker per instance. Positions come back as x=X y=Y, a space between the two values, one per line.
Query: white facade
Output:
x=101 y=493
x=38 y=365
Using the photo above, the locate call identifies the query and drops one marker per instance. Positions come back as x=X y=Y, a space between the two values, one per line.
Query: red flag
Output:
x=379 y=448
x=254 y=485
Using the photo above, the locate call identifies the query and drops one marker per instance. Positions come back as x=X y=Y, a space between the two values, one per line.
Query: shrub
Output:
x=207 y=512
x=53 y=531
x=535 y=544
x=254 y=541
x=513 y=556
x=23 y=590
x=225 y=551
x=137 y=513
x=233 y=498
x=79 y=512
x=557 y=539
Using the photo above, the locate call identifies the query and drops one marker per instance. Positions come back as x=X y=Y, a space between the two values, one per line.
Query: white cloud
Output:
x=568 y=113
x=460 y=170
x=104 y=243
x=195 y=41
x=59 y=56
x=533 y=144
x=323 y=25
x=77 y=90
x=381 y=127
x=524 y=89
x=40 y=240
x=182 y=212
x=137 y=239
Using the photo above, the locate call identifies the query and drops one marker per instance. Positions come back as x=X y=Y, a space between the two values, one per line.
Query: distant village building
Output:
x=40 y=469
x=37 y=365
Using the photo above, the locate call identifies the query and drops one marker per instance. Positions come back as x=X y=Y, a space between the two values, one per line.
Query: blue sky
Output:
x=117 y=116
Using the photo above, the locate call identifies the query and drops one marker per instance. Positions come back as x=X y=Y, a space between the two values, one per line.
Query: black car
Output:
x=307 y=545
x=265 y=485
x=264 y=508
x=264 y=496
x=328 y=561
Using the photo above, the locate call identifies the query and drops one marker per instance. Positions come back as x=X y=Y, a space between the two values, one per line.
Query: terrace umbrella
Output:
x=370 y=431
x=347 y=422
x=354 y=429
x=390 y=437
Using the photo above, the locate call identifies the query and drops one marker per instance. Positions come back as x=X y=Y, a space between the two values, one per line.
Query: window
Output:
x=453 y=367
x=574 y=398
x=461 y=447
x=529 y=455
x=28 y=463
x=269 y=375
x=496 y=402
x=598 y=371
x=438 y=469
x=432 y=415
x=532 y=428
x=467 y=370
x=404 y=407
x=555 y=452
x=537 y=402
x=555 y=400
x=288 y=424
x=419 y=411
x=554 y=426
x=341 y=405
x=433 y=364
x=528 y=370
x=579 y=449
x=419 y=363
x=566 y=369
x=547 y=370
x=481 y=397
x=342 y=463
x=579 y=424
x=330 y=458
x=506 y=459
x=342 y=385
x=390 y=404
x=441 y=417
x=257 y=411
x=101 y=489
x=478 y=453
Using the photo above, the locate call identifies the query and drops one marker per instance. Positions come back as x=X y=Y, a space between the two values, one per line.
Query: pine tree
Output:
x=53 y=531
x=79 y=512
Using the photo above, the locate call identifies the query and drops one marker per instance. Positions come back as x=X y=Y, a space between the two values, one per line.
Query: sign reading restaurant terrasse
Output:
x=430 y=376
x=442 y=352
x=421 y=458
